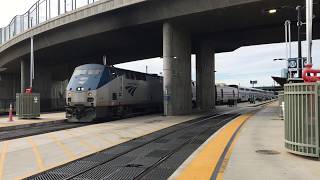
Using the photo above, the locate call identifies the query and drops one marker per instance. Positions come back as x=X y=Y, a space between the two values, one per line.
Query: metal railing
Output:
x=40 y=12
x=302 y=118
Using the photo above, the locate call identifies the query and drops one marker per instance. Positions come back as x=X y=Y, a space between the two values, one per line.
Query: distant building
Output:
x=284 y=73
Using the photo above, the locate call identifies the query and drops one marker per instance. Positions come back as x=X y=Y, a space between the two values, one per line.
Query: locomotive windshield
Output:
x=88 y=77
x=78 y=72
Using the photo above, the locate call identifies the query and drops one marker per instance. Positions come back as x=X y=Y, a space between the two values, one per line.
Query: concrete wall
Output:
x=50 y=81
x=9 y=86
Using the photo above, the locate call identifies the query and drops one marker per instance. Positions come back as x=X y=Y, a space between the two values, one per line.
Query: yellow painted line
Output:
x=62 y=146
x=3 y=157
x=37 y=153
x=205 y=162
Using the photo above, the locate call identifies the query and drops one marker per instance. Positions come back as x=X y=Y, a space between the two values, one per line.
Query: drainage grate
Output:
x=99 y=157
x=267 y=152
x=158 y=153
x=116 y=149
x=100 y=172
x=50 y=176
x=122 y=161
x=159 y=173
x=197 y=141
x=74 y=167
x=145 y=161
x=125 y=173
x=162 y=141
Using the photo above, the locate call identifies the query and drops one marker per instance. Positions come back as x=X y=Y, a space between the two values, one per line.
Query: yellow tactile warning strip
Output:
x=204 y=164
x=220 y=171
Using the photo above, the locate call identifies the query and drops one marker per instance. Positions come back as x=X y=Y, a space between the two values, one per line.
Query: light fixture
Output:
x=272 y=11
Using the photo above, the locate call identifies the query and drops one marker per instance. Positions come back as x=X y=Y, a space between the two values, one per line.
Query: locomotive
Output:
x=96 y=91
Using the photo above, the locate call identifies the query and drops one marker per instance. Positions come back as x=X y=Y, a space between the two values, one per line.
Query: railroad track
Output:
x=20 y=132
x=153 y=156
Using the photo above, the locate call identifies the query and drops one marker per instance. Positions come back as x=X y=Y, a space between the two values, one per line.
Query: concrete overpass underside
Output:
x=137 y=32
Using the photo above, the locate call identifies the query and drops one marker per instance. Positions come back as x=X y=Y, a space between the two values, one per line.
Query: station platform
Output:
x=23 y=157
x=255 y=151
x=18 y=123
x=30 y=155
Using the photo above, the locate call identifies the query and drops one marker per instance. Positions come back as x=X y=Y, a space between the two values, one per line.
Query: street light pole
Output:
x=299 y=25
x=309 y=19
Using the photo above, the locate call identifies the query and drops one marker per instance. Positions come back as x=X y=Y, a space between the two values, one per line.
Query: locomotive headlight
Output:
x=69 y=94
x=90 y=94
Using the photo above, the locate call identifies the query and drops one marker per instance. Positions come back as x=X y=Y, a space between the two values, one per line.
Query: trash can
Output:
x=301 y=101
x=28 y=105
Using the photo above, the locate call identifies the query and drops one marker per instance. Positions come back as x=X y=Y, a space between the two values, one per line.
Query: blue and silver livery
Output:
x=96 y=91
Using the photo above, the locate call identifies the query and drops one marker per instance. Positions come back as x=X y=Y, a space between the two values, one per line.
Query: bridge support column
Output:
x=25 y=74
x=205 y=67
x=177 y=70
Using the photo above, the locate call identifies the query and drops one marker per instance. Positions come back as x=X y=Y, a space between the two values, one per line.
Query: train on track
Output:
x=97 y=91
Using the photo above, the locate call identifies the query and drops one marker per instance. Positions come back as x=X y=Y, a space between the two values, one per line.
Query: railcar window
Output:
x=114 y=96
x=221 y=93
x=140 y=76
x=130 y=75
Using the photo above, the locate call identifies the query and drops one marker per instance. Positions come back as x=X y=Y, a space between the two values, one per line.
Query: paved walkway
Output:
x=265 y=131
x=233 y=153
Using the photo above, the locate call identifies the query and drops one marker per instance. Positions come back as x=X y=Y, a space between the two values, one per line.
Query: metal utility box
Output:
x=302 y=118
x=28 y=105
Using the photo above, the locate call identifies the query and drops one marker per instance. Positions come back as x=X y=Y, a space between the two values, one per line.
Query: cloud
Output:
x=10 y=8
x=241 y=65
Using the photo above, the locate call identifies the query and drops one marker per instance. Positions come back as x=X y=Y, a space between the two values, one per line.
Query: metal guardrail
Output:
x=302 y=118
x=41 y=11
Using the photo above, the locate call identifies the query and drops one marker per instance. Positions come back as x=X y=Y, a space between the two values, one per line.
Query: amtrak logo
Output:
x=131 y=89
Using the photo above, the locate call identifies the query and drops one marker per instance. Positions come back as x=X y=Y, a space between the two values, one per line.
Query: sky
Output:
x=237 y=67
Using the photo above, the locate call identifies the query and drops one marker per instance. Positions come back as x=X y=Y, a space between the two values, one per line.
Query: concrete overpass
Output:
x=128 y=30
